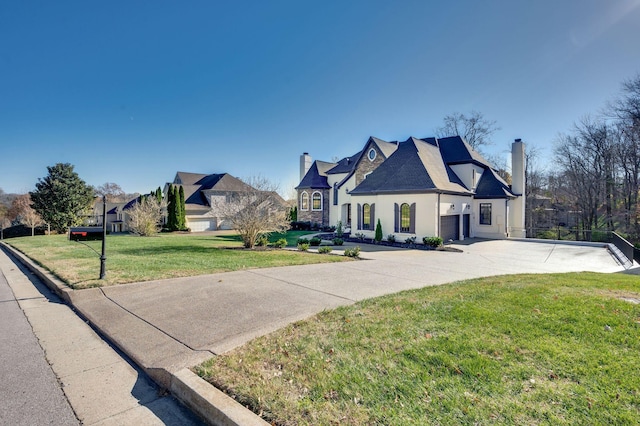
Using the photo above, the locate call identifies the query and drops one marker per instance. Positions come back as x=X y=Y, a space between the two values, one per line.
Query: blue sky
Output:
x=132 y=92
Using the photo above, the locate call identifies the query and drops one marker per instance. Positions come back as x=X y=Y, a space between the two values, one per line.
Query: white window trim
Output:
x=321 y=200
x=375 y=154
x=301 y=203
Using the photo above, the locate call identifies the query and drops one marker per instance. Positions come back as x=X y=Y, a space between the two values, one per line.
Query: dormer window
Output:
x=372 y=154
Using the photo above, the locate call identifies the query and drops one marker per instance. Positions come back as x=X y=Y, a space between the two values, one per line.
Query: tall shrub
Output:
x=378 y=236
x=182 y=214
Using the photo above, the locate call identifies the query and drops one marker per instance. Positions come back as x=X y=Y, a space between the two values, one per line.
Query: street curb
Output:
x=208 y=402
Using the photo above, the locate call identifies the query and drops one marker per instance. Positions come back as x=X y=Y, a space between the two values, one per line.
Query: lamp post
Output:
x=103 y=256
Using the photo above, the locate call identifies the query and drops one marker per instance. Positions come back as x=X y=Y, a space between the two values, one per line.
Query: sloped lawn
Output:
x=132 y=259
x=521 y=349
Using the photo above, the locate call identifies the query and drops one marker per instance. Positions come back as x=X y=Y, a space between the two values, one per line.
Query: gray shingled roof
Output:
x=415 y=166
x=456 y=151
x=194 y=184
x=491 y=185
x=316 y=177
x=346 y=165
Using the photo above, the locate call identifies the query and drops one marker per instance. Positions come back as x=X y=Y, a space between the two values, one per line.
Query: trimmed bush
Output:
x=282 y=242
x=352 y=252
x=339 y=229
x=338 y=241
x=302 y=241
x=391 y=238
x=359 y=235
x=324 y=250
x=303 y=246
x=262 y=241
x=432 y=241
x=315 y=241
x=410 y=240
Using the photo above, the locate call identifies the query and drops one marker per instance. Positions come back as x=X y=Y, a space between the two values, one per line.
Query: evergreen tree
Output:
x=158 y=195
x=182 y=216
x=378 y=237
x=62 y=199
x=171 y=209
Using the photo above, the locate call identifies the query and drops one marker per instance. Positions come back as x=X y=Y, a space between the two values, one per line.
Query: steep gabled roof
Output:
x=316 y=177
x=415 y=166
x=456 y=151
x=491 y=185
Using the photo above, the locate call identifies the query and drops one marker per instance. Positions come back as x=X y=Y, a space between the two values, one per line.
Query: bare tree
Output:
x=536 y=181
x=625 y=110
x=31 y=219
x=255 y=210
x=475 y=129
x=112 y=191
x=586 y=160
x=22 y=212
x=145 y=216
x=4 y=223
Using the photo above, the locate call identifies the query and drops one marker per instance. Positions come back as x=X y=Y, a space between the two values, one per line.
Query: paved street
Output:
x=30 y=393
x=57 y=371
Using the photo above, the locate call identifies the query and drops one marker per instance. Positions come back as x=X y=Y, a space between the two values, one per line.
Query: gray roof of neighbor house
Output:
x=491 y=185
x=194 y=185
x=316 y=177
x=415 y=166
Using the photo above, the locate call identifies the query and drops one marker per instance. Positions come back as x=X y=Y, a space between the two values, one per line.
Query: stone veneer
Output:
x=314 y=216
x=367 y=166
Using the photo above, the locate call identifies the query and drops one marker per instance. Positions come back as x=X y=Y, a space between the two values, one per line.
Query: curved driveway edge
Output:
x=169 y=325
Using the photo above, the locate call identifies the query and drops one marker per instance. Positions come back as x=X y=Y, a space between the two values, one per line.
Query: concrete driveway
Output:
x=179 y=322
x=165 y=326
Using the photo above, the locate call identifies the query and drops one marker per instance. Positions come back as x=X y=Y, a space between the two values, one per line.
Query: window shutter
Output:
x=412 y=218
x=359 y=216
x=373 y=216
x=396 y=217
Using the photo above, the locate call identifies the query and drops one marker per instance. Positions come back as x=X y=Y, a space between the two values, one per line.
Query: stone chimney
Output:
x=305 y=164
x=517 y=206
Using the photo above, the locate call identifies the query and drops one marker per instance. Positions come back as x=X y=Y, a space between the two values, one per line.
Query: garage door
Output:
x=450 y=228
x=199 y=225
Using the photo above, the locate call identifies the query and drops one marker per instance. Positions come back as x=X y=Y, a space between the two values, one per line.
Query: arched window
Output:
x=366 y=216
x=316 y=200
x=304 y=201
x=405 y=218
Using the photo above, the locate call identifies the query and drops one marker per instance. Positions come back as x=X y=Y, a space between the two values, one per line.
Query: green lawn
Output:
x=521 y=349
x=132 y=259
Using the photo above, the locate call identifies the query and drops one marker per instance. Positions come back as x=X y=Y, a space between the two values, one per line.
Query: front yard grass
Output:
x=520 y=349
x=133 y=259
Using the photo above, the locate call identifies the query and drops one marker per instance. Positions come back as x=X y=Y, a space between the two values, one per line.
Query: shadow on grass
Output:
x=168 y=249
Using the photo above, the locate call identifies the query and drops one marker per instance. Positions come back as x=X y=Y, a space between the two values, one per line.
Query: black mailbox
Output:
x=85 y=233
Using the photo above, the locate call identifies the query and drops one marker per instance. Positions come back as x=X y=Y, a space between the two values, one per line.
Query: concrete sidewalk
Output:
x=169 y=325
x=101 y=387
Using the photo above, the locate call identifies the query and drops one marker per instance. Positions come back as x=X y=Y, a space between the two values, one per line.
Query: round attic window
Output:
x=372 y=154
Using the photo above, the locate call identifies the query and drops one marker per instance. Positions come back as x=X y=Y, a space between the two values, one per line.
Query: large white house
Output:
x=419 y=187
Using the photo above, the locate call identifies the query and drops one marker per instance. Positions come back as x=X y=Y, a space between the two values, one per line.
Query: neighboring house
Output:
x=419 y=187
x=117 y=217
x=205 y=195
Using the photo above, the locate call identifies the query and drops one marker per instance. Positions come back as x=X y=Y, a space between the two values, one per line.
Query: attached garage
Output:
x=450 y=227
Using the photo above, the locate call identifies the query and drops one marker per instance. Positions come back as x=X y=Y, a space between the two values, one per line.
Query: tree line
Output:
x=595 y=180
